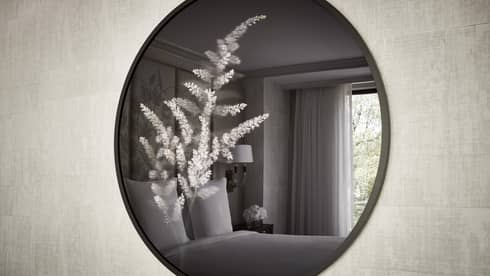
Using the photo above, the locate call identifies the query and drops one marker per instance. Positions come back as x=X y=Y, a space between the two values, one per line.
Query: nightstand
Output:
x=264 y=228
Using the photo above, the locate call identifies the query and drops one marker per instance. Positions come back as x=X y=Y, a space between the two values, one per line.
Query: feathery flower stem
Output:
x=194 y=155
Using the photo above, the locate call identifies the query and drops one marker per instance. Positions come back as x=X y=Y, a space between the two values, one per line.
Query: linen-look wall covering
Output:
x=62 y=67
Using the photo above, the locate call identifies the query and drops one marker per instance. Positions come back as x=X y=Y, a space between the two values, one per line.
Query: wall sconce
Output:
x=242 y=154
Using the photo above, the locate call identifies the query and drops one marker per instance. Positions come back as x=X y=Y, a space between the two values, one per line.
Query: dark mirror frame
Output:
x=385 y=134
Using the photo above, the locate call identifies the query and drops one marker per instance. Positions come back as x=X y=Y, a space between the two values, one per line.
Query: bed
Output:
x=250 y=253
x=207 y=245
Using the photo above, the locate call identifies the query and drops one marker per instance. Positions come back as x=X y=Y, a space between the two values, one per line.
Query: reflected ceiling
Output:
x=285 y=38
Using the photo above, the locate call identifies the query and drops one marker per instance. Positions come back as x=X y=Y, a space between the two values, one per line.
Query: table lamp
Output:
x=242 y=154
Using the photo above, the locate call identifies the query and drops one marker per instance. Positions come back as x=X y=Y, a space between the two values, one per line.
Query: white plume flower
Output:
x=157 y=124
x=223 y=79
x=178 y=206
x=216 y=147
x=225 y=110
x=229 y=139
x=242 y=28
x=210 y=103
x=203 y=74
x=186 y=129
x=150 y=152
x=184 y=185
x=212 y=56
x=204 y=177
x=194 y=150
x=180 y=156
x=188 y=106
x=227 y=46
x=195 y=90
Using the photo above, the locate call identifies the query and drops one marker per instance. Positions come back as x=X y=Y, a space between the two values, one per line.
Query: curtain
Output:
x=321 y=161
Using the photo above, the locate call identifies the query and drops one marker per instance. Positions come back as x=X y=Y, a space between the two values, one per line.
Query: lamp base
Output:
x=230 y=183
x=232 y=175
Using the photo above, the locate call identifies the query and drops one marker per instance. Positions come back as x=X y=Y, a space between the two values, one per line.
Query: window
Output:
x=366 y=142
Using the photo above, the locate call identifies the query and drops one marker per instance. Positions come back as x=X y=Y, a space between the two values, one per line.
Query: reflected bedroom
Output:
x=250 y=138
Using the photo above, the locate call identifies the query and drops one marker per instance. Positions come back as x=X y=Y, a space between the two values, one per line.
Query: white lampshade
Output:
x=241 y=154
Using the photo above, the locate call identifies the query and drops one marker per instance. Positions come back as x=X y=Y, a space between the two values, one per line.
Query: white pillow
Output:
x=163 y=235
x=210 y=212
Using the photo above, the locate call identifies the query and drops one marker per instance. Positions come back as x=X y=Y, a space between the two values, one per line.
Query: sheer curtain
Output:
x=321 y=162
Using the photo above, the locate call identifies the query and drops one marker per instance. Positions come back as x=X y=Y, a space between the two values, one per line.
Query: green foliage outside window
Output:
x=366 y=139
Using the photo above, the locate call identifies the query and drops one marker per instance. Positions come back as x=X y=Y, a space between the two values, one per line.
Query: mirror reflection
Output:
x=250 y=138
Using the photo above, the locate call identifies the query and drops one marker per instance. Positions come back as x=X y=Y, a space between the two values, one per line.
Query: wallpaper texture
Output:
x=63 y=64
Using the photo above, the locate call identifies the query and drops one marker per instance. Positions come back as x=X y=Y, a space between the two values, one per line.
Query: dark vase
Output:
x=255 y=224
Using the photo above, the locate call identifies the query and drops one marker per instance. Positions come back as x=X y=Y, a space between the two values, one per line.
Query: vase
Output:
x=255 y=224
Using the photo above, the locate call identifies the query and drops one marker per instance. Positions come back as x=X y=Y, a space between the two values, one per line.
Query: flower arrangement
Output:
x=184 y=158
x=254 y=213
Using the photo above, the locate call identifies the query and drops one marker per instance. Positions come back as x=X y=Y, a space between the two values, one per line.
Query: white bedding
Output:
x=250 y=253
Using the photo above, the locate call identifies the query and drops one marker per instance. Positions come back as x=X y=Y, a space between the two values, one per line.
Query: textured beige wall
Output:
x=433 y=216
x=62 y=67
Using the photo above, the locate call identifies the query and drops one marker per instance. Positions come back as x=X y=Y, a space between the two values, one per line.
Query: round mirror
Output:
x=251 y=138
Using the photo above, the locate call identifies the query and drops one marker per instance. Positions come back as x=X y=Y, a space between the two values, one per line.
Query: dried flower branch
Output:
x=193 y=154
x=225 y=110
